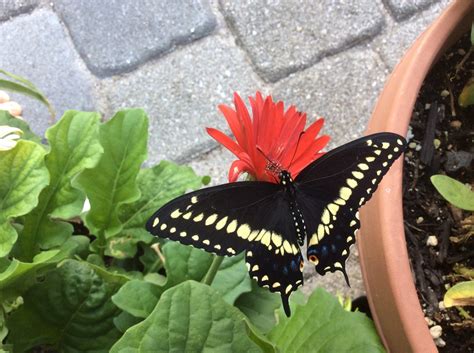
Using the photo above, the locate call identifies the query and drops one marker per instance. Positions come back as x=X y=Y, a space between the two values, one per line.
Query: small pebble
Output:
x=419 y=220
x=461 y=51
x=427 y=106
x=418 y=148
x=429 y=321
x=412 y=145
x=436 y=331
x=441 y=305
x=440 y=342
x=444 y=93
x=436 y=143
x=455 y=124
x=432 y=240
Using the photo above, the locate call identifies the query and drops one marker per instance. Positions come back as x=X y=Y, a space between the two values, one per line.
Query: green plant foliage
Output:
x=157 y=186
x=182 y=263
x=112 y=182
x=22 y=85
x=190 y=317
x=232 y=278
x=460 y=294
x=259 y=306
x=74 y=147
x=19 y=276
x=74 y=313
x=7 y=119
x=22 y=177
x=454 y=192
x=322 y=325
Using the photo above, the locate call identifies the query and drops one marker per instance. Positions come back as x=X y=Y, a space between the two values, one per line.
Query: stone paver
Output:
x=47 y=59
x=10 y=8
x=181 y=93
x=127 y=33
x=342 y=89
x=285 y=36
x=179 y=59
x=402 y=9
x=396 y=38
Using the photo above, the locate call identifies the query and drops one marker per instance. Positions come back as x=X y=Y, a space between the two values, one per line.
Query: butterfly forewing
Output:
x=332 y=189
x=232 y=218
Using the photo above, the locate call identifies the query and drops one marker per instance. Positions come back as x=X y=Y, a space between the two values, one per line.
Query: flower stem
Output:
x=211 y=273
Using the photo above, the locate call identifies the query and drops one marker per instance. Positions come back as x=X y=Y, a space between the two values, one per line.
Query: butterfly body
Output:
x=271 y=221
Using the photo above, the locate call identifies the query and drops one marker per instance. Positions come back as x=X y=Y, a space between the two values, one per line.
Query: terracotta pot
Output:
x=383 y=254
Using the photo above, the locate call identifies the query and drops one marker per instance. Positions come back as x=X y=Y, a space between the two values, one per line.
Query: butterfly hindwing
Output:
x=334 y=187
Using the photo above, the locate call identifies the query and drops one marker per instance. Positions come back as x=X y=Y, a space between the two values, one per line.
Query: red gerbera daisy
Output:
x=270 y=141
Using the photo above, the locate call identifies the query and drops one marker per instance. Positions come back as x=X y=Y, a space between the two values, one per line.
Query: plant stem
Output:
x=211 y=273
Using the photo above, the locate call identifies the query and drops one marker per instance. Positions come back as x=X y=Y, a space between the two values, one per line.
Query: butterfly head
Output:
x=285 y=178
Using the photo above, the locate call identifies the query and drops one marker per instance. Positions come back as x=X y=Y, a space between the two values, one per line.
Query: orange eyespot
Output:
x=301 y=265
x=313 y=259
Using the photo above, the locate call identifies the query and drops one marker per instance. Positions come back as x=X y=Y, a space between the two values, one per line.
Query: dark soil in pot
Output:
x=440 y=236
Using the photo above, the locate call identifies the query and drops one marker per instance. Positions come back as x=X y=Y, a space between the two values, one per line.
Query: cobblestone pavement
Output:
x=178 y=59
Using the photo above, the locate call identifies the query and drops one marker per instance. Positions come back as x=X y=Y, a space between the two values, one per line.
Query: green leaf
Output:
x=191 y=317
x=124 y=245
x=138 y=297
x=74 y=313
x=454 y=192
x=322 y=325
x=112 y=182
x=75 y=147
x=124 y=321
x=460 y=294
x=25 y=87
x=259 y=306
x=22 y=176
x=466 y=97
x=182 y=263
x=157 y=186
x=19 y=276
x=232 y=279
x=7 y=119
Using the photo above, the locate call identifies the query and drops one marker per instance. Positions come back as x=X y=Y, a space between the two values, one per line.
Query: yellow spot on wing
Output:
x=195 y=237
x=287 y=246
x=187 y=215
x=255 y=268
x=345 y=193
x=276 y=285
x=288 y=289
x=217 y=246
x=277 y=239
x=266 y=238
x=243 y=231
x=351 y=182
x=370 y=159
x=194 y=199
x=221 y=224
x=377 y=152
x=199 y=217
x=176 y=213
x=333 y=208
x=155 y=222
x=206 y=242
x=163 y=226
x=385 y=145
x=363 y=166
x=232 y=226
x=326 y=218
x=358 y=175
x=253 y=235
x=265 y=278
x=211 y=219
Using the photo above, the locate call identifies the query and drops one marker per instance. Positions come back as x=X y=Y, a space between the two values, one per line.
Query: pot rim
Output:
x=382 y=247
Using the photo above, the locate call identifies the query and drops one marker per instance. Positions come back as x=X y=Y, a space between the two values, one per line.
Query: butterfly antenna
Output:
x=296 y=148
x=273 y=166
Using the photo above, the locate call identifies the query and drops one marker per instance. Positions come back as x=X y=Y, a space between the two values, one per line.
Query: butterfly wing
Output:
x=334 y=187
x=231 y=218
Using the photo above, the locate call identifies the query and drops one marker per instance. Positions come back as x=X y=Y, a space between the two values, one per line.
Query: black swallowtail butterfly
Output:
x=270 y=222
